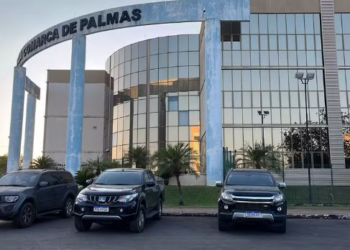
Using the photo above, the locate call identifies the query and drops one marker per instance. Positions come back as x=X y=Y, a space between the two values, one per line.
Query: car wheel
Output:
x=158 y=216
x=281 y=228
x=81 y=225
x=223 y=225
x=67 y=210
x=138 y=224
x=25 y=216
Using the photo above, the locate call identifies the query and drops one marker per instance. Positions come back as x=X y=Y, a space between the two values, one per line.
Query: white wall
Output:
x=190 y=180
x=56 y=121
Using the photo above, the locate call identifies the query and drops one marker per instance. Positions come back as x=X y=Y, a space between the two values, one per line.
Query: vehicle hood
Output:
x=111 y=190
x=9 y=190
x=252 y=190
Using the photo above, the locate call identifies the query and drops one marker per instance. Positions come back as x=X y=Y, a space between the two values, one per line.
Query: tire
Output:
x=67 y=210
x=223 y=225
x=82 y=226
x=25 y=216
x=138 y=224
x=158 y=216
x=281 y=228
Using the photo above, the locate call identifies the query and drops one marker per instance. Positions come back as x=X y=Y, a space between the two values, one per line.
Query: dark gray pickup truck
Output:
x=252 y=196
x=120 y=195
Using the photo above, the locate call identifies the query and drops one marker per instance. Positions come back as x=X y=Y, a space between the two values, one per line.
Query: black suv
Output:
x=120 y=195
x=251 y=196
x=27 y=194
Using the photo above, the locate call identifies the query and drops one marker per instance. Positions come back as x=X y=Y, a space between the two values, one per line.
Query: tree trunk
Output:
x=181 y=202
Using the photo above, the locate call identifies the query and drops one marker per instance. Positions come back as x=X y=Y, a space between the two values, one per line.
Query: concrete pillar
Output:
x=13 y=161
x=213 y=103
x=29 y=131
x=76 y=105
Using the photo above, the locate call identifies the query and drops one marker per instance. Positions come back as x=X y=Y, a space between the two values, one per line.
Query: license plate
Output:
x=252 y=215
x=101 y=209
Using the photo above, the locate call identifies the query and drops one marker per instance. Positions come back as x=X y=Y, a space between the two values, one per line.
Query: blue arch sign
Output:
x=136 y=15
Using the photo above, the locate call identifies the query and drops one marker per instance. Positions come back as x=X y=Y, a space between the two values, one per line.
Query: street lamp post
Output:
x=263 y=114
x=305 y=81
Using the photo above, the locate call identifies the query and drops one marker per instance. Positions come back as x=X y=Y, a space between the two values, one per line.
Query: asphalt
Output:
x=54 y=233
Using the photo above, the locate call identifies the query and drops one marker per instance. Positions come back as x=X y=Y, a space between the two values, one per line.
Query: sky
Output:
x=21 y=20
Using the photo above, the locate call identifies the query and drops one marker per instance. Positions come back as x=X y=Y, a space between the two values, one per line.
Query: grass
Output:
x=202 y=196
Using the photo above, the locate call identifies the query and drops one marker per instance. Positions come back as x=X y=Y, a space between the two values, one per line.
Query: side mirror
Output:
x=150 y=184
x=89 y=181
x=282 y=185
x=218 y=184
x=43 y=184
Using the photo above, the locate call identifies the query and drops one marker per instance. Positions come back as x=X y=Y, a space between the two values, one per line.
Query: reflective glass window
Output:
x=274 y=80
x=173 y=118
x=265 y=99
x=183 y=58
x=194 y=58
x=226 y=58
x=141 y=121
x=183 y=118
x=281 y=24
x=295 y=116
x=237 y=114
x=255 y=79
x=285 y=116
x=265 y=80
x=237 y=99
x=154 y=46
x=245 y=27
x=275 y=116
x=193 y=42
x=247 y=103
x=237 y=82
x=173 y=134
x=163 y=60
x=310 y=42
x=127 y=68
x=339 y=40
x=340 y=57
x=183 y=72
x=245 y=42
x=264 y=42
x=282 y=42
x=275 y=99
x=245 y=58
x=273 y=58
x=173 y=44
x=163 y=44
x=318 y=42
x=291 y=42
x=273 y=42
x=317 y=24
x=127 y=82
x=294 y=98
x=194 y=102
x=346 y=42
x=311 y=58
x=284 y=99
x=154 y=62
x=246 y=80
x=183 y=43
x=154 y=76
x=345 y=22
x=309 y=24
x=228 y=100
x=247 y=117
x=292 y=58
x=142 y=106
x=236 y=45
x=141 y=136
x=154 y=105
x=254 y=39
x=143 y=49
x=236 y=58
x=134 y=65
x=256 y=99
x=254 y=24
x=194 y=118
x=301 y=58
x=172 y=103
x=227 y=79
x=282 y=58
x=264 y=58
x=301 y=42
x=173 y=61
x=290 y=23
x=263 y=24
x=154 y=120
x=183 y=133
x=228 y=116
x=163 y=75
x=300 y=24
x=272 y=23
x=142 y=64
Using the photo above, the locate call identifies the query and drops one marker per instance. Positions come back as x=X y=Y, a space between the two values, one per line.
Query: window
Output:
x=45 y=178
x=172 y=103
x=57 y=178
x=67 y=178
x=183 y=118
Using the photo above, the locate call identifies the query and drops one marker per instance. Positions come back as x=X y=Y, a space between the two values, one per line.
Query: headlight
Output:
x=226 y=196
x=11 y=199
x=127 y=198
x=81 y=197
x=278 y=198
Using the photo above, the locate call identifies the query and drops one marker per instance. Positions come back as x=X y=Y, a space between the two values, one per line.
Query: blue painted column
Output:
x=213 y=104
x=29 y=131
x=13 y=161
x=76 y=105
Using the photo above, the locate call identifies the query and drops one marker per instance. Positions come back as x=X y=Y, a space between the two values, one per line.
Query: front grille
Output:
x=102 y=200
x=252 y=207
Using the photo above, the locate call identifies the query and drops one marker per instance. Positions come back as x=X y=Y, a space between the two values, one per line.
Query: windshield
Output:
x=250 y=179
x=119 y=178
x=24 y=179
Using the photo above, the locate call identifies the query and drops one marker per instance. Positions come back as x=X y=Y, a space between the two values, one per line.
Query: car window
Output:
x=57 y=178
x=67 y=178
x=46 y=178
x=147 y=177
x=250 y=179
x=151 y=175
x=25 y=179
x=119 y=178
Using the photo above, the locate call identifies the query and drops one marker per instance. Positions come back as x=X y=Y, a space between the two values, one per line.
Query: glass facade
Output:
x=156 y=100
x=342 y=30
x=260 y=59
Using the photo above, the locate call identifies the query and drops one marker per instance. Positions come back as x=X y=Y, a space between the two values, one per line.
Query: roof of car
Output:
x=126 y=169
x=39 y=170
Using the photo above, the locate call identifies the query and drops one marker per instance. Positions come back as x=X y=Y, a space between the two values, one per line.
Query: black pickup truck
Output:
x=252 y=196
x=120 y=195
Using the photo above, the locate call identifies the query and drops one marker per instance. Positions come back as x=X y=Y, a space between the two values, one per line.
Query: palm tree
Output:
x=260 y=157
x=3 y=164
x=175 y=160
x=139 y=155
x=42 y=162
x=99 y=166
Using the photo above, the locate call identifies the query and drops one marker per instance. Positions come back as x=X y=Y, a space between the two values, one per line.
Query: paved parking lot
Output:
x=54 y=233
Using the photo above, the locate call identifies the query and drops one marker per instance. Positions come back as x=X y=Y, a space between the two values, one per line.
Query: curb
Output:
x=289 y=216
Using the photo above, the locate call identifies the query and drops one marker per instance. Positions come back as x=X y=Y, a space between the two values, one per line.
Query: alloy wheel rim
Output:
x=27 y=215
x=69 y=207
x=141 y=219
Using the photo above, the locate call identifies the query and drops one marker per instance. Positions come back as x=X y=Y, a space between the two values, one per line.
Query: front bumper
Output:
x=8 y=211
x=117 y=212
